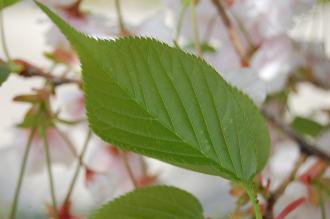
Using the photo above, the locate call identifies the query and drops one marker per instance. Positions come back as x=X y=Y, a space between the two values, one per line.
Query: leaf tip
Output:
x=73 y=35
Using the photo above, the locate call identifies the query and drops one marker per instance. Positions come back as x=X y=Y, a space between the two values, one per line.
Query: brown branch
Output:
x=281 y=189
x=305 y=147
x=28 y=70
x=233 y=35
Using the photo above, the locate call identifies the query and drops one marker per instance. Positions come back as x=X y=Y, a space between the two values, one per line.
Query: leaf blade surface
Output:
x=147 y=97
x=161 y=202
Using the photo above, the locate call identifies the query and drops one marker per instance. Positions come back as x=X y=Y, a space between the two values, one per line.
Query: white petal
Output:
x=275 y=60
x=247 y=80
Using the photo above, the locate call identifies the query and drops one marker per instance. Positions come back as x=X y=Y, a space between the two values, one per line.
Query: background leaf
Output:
x=161 y=202
x=306 y=126
x=4 y=73
x=6 y=3
x=147 y=97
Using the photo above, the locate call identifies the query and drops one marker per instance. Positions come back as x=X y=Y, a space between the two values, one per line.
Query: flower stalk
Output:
x=13 y=209
x=77 y=171
x=2 y=32
x=49 y=171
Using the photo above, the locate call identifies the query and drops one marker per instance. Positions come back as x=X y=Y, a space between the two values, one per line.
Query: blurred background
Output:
x=288 y=45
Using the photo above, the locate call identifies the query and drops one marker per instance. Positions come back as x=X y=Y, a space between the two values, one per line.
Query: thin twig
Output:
x=274 y=196
x=305 y=147
x=247 y=36
x=70 y=145
x=180 y=23
x=68 y=142
x=122 y=28
x=291 y=207
x=21 y=175
x=2 y=32
x=28 y=70
x=57 y=81
x=281 y=189
x=209 y=28
x=233 y=35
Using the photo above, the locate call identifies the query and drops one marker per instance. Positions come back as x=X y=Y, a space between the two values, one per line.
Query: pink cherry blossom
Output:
x=225 y=57
x=321 y=71
x=247 y=80
x=91 y=24
x=71 y=102
x=316 y=61
x=275 y=60
x=269 y=18
x=109 y=172
x=154 y=26
x=266 y=23
x=59 y=151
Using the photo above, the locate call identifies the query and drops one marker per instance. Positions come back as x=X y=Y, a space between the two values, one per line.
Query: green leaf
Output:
x=147 y=97
x=323 y=1
x=306 y=126
x=323 y=184
x=6 y=3
x=4 y=73
x=36 y=116
x=161 y=202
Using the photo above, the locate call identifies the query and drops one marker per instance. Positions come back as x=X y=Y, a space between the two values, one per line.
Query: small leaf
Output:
x=161 y=202
x=146 y=97
x=248 y=81
x=291 y=207
x=35 y=117
x=323 y=1
x=323 y=184
x=6 y=3
x=306 y=126
x=4 y=73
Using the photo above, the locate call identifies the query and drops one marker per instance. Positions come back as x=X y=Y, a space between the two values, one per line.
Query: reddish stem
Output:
x=314 y=171
x=291 y=207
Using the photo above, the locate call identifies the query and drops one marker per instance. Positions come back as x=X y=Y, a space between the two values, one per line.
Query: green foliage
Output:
x=323 y=1
x=161 y=202
x=306 y=126
x=146 y=97
x=4 y=73
x=186 y=2
x=6 y=3
x=36 y=117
